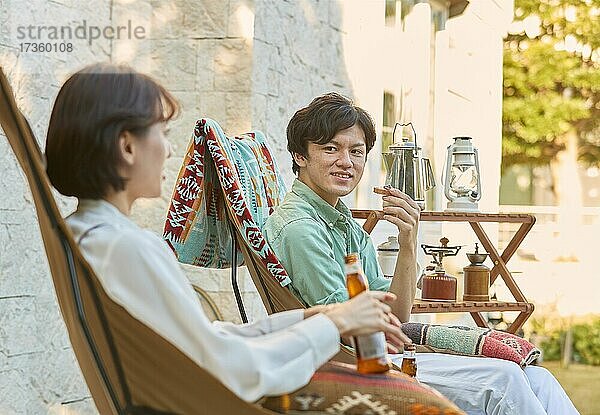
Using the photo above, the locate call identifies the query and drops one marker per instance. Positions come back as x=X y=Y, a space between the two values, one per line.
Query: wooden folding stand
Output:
x=475 y=308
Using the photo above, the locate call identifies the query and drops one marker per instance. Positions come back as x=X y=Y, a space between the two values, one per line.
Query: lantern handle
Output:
x=446 y=173
x=478 y=197
x=405 y=125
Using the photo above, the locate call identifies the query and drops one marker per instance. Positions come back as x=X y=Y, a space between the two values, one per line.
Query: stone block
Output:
x=267 y=21
x=19 y=396
x=135 y=48
x=336 y=18
x=205 y=19
x=228 y=306
x=18 y=326
x=237 y=112
x=212 y=105
x=189 y=19
x=181 y=129
x=167 y=20
x=259 y=116
x=150 y=214
x=233 y=65
x=174 y=63
x=205 y=278
x=52 y=333
x=54 y=375
x=266 y=69
x=205 y=65
x=83 y=406
x=241 y=19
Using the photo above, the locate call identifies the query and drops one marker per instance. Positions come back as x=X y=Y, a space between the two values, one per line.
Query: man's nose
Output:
x=344 y=159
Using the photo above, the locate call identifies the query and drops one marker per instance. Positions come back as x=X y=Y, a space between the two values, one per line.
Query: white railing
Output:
x=549 y=226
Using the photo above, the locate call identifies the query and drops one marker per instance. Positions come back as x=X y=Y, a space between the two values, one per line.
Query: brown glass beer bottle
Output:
x=370 y=349
x=409 y=360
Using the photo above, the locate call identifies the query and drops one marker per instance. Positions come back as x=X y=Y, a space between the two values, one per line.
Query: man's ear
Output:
x=127 y=147
x=300 y=159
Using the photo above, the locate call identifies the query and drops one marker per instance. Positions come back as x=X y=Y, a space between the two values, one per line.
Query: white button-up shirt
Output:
x=138 y=271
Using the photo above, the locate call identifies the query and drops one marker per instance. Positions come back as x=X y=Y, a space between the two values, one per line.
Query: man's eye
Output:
x=358 y=152
x=329 y=148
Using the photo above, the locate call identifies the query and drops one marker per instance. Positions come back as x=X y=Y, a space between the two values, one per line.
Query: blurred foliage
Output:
x=548 y=332
x=586 y=342
x=552 y=81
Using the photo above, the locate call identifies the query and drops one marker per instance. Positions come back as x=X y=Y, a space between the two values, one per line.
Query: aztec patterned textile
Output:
x=473 y=341
x=337 y=388
x=219 y=173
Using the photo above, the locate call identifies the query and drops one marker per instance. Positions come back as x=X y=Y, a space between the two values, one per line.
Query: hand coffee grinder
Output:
x=477 y=277
x=436 y=285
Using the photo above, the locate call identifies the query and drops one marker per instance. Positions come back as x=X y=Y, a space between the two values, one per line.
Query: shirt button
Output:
x=330 y=224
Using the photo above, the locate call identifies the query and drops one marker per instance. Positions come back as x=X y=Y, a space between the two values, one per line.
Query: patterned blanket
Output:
x=241 y=169
x=473 y=341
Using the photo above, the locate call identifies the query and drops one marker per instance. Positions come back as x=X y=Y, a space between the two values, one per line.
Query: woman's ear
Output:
x=127 y=147
x=299 y=159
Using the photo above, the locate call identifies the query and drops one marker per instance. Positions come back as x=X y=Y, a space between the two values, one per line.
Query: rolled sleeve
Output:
x=269 y=324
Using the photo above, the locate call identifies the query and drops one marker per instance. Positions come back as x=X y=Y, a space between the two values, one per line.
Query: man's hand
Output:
x=402 y=211
x=368 y=313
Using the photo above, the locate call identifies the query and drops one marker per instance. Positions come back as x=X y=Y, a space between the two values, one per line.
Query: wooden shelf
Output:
x=477 y=217
x=422 y=306
x=500 y=260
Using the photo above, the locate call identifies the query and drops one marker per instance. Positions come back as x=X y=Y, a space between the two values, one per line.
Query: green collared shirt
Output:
x=311 y=238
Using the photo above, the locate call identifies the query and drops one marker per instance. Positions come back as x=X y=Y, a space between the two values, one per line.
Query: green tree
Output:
x=551 y=109
x=552 y=82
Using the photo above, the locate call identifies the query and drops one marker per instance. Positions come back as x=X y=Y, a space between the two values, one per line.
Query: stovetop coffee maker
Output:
x=435 y=284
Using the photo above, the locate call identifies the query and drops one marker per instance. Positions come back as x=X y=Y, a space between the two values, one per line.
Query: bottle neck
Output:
x=353 y=268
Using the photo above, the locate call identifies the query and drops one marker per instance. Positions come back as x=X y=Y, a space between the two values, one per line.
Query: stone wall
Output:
x=38 y=371
x=200 y=52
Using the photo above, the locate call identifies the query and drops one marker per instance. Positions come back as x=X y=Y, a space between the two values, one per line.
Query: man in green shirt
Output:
x=313 y=230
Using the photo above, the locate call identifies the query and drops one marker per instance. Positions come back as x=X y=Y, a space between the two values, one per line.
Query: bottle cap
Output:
x=350 y=258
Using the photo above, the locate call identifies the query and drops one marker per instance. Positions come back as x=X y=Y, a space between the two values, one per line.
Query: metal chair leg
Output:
x=236 y=289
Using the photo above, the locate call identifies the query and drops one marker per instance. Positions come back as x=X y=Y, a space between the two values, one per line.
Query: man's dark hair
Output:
x=322 y=119
x=92 y=109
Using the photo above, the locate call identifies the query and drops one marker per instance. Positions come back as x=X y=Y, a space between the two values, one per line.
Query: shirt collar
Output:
x=104 y=210
x=331 y=215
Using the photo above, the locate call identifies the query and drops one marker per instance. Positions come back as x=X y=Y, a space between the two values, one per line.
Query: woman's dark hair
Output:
x=92 y=109
x=324 y=117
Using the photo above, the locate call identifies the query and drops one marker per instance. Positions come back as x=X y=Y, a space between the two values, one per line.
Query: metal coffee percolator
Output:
x=406 y=169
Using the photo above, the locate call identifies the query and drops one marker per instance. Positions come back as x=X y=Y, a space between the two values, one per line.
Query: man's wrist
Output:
x=335 y=314
x=409 y=240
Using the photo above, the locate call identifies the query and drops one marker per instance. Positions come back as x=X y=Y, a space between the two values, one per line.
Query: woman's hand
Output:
x=367 y=313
